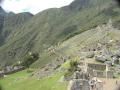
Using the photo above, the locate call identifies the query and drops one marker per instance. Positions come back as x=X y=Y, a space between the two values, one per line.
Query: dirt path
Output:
x=110 y=84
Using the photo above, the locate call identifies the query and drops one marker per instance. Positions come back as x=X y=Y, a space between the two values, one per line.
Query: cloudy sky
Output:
x=33 y=6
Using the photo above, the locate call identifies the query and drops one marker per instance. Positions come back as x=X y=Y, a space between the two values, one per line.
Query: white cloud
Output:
x=33 y=6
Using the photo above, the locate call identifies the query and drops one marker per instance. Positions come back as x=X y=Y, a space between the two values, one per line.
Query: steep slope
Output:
x=53 y=26
x=2 y=15
x=84 y=42
x=12 y=22
x=90 y=40
x=15 y=21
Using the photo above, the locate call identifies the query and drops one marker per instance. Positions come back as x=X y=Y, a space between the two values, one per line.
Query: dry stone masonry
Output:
x=85 y=80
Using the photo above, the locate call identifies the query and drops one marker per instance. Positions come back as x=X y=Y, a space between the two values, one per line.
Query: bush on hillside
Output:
x=72 y=69
x=29 y=59
x=73 y=65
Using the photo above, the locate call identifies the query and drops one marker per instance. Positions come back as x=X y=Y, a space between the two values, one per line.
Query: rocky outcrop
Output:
x=100 y=59
x=9 y=70
x=52 y=67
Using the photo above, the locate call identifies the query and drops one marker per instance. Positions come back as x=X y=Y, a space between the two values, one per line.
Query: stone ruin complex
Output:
x=87 y=76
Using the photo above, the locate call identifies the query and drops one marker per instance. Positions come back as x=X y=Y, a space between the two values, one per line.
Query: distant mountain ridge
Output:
x=79 y=4
x=9 y=21
x=2 y=15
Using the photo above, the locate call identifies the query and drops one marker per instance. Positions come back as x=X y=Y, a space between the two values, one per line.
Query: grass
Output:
x=23 y=81
x=66 y=65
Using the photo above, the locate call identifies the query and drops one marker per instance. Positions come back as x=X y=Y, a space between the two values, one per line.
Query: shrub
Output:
x=72 y=69
x=68 y=74
x=29 y=59
x=73 y=65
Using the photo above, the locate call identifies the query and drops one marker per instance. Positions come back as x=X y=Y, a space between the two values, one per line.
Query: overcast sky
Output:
x=33 y=6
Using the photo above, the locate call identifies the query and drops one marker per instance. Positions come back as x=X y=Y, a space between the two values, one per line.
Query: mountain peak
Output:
x=2 y=11
x=79 y=4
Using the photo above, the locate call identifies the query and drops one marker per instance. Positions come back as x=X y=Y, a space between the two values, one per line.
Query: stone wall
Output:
x=79 y=84
x=82 y=84
x=100 y=73
x=96 y=73
x=97 y=66
x=110 y=74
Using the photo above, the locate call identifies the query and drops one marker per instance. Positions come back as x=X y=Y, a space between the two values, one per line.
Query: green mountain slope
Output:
x=2 y=15
x=12 y=22
x=53 y=26
x=82 y=42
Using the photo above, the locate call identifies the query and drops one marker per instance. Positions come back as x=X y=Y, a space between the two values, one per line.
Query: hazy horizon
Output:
x=33 y=6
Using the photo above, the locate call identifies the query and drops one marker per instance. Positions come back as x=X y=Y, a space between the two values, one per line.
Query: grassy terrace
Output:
x=23 y=81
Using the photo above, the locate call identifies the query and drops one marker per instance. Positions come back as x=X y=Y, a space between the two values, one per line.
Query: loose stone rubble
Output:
x=10 y=69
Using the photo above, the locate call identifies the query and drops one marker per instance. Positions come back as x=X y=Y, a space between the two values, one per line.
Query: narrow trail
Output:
x=110 y=84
